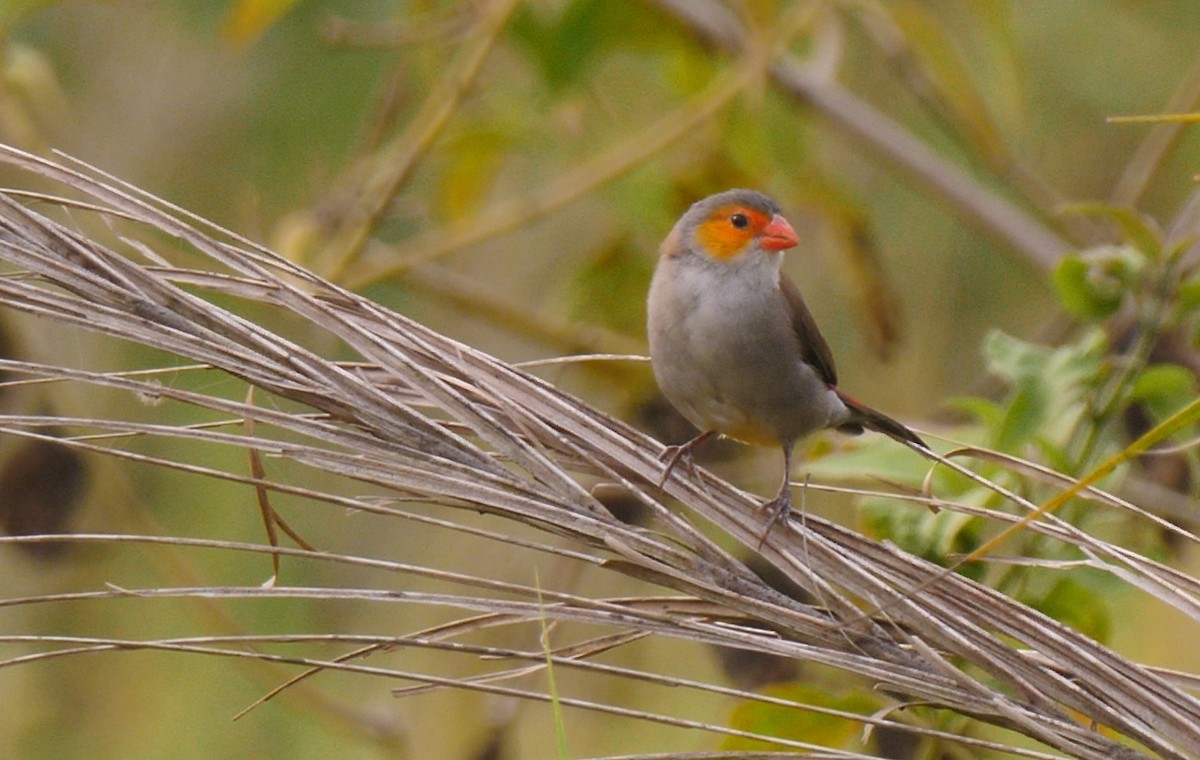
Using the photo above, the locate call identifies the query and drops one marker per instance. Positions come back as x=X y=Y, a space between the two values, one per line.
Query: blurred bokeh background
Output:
x=504 y=171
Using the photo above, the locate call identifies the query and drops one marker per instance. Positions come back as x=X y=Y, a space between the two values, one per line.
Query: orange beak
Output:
x=778 y=235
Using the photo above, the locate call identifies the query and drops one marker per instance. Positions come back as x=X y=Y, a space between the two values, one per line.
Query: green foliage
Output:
x=563 y=47
x=567 y=43
x=1092 y=285
x=939 y=538
x=610 y=288
x=798 y=724
x=1049 y=397
x=1163 y=388
x=1047 y=387
x=1060 y=406
x=1079 y=604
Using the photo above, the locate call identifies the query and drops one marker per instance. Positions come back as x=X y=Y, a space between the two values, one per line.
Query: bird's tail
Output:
x=863 y=416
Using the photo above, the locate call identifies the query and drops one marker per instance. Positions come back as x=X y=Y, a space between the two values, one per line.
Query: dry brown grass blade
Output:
x=455 y=427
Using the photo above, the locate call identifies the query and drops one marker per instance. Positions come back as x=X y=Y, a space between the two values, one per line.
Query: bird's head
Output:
x=728 y=225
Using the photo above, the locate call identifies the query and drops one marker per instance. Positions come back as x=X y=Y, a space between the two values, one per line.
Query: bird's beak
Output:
x=778 y=235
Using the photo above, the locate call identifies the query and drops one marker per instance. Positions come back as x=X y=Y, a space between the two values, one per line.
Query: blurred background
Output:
x=504 y=172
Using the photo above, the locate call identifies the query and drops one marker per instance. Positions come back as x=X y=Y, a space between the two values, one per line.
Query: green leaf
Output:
x=1092 y=284
x=1164 y=388
x=1012 y=358
x=1054 y=455
x=1048 y=385
x=1070 y=284
x=1023 y=412
x=871 y=457
x=1161 y=381
x=985 y=411
x=563 y=47
x=1024 y=416
x=1070 y=365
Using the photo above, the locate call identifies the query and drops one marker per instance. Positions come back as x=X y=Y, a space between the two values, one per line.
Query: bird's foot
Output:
x=673 y=455
x=778 y=509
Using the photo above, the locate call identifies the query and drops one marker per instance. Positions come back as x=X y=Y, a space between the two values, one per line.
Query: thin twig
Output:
x=598 y=170
x=390 y=167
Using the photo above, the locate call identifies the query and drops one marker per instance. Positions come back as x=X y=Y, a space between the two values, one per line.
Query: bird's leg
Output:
x=781 y=505
x=672 y=455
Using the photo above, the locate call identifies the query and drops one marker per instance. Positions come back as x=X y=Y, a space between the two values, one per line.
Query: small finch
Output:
x=732 y=344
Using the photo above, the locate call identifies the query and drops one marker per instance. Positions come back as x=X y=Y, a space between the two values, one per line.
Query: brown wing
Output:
x=812 y=345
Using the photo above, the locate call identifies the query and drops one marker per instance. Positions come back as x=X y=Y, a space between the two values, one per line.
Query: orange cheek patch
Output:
x=721 y=240
x=724 y=241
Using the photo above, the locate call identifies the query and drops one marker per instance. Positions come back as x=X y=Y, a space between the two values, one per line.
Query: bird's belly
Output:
x=744 y=377
x=765 y=399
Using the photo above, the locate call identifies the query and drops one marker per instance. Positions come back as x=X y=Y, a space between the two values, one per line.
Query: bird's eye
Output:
x=739 y=220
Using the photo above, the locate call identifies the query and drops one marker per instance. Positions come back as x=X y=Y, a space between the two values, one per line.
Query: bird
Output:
x=733 y=346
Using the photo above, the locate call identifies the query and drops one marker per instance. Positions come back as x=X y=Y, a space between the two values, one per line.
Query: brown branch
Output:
x=1039 y=246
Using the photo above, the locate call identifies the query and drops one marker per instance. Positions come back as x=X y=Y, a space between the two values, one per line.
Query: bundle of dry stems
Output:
x=427 y=418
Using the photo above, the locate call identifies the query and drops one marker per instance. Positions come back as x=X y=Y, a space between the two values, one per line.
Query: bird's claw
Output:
x=673 y=455
x=778 y=508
